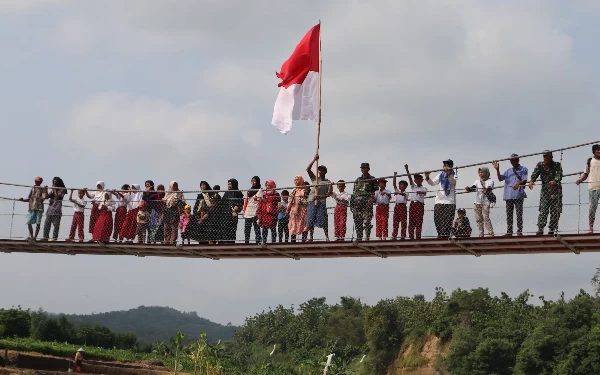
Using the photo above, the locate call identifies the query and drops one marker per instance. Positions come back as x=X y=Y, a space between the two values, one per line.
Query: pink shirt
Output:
x=183 y=222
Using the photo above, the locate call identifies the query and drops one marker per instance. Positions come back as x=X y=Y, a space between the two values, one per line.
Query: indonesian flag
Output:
x=298 y=97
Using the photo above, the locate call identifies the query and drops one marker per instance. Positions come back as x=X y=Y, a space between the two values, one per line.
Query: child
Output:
x=134 y=198
x=121 y=212
x=97 y=198
x=36 y=208
x=400 y=210
x=417 y=205
x=104 y=225
x=142 y=217
x=340 y=212
x=462 y=226
x=483 y=186
x=382 y=211
x=282 y=217
x=267 y=211
x=184 y=219
x=78 y=218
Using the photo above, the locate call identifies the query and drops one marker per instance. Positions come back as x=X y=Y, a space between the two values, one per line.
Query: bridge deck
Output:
x=568 y=243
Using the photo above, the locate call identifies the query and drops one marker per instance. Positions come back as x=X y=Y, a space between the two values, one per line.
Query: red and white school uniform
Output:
x=97 y=199
x=416 y=211
x=104 y=225
x=120 y=215
x=129 y=227
x=400 y=214
x=78 y=219
x=340 y=213
x=382 y=212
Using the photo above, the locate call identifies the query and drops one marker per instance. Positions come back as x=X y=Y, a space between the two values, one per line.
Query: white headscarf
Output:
x=99 y=195
x=172 y=196
x=107 y=202
x=134 y=197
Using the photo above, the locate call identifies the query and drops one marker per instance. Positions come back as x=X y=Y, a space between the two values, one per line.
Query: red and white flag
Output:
x=298 y=97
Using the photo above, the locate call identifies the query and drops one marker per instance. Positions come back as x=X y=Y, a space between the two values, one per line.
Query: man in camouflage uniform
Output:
x=550 y=172
x=361 y=202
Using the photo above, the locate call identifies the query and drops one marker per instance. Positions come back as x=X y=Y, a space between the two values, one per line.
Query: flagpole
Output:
x=320 y=80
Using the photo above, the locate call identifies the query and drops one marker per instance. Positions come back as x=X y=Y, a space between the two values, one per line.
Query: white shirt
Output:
x=481 y=198
x=440 y=195
x=401 y=199
x=382 y=197
x=342 y=198
x=76 y=207
x=120 y=202
x=414 y=197
x=593 y=173
x=252 y=205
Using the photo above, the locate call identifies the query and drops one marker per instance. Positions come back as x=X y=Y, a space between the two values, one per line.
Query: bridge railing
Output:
x=220 y=225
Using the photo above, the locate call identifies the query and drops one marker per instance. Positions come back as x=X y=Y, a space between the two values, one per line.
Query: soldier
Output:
x=550 y=172
x=361 y=202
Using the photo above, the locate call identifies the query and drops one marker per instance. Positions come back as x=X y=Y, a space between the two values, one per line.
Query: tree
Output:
x=15 y=322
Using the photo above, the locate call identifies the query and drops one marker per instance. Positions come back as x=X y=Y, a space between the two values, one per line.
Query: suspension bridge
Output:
x=571 y=237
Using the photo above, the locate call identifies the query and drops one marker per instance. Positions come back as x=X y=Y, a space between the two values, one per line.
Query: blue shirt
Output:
x=510 y=179
x=281 y=214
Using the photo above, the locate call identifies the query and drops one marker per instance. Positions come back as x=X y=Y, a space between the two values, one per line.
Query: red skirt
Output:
x=119 y=220
x=130 y=225
x=94 y=216
x=103 y=227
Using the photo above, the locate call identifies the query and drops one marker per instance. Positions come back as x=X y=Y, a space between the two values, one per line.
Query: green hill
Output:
x=155 y=322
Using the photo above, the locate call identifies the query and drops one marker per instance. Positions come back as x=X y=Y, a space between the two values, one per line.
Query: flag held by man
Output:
x=298 y=97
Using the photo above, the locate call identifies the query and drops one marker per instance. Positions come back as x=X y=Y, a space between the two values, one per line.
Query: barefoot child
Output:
x=78 y=218
x=400 y=209
x=36 y=207
x=142 y=217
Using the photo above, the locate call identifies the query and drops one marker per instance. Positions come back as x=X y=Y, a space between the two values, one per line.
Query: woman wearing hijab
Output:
x=296 y=208
x=54 y=211
x=250 y=207
x=104 y=225
x=267 y=211
x=197 y=228
x=96 y=198
x=445 y=199
x=173 y=200
x=214 y=222
x=156 y=204
x=134 y=197
x=233 y=202
x=483 y=186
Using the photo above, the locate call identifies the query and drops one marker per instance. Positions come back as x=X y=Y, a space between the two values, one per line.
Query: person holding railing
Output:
x=296 y=209
x=515 y=179
x=550 y=172
x=445 y=199
x=54 y=211
x=36 y=207
x=592 y=172
x=484 y=198
x=250 y=208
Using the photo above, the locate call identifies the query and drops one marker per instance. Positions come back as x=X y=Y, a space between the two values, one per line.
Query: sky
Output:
x=154 y=89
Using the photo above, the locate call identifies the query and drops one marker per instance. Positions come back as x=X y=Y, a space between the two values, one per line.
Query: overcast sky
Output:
x=124 y=91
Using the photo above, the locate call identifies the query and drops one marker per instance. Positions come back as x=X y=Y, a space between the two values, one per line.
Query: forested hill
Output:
x=154 y=322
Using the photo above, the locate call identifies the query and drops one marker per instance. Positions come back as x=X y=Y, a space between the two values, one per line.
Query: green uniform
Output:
x=361 y=205
x=551 y=196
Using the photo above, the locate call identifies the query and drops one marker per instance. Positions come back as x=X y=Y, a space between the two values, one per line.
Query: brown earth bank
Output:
x=33 y=363
x=426 y=351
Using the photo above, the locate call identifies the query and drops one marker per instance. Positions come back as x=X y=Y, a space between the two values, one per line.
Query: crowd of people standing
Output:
x=154 y=214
